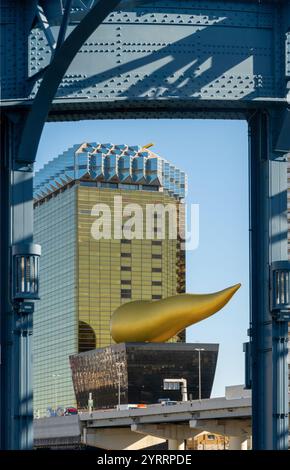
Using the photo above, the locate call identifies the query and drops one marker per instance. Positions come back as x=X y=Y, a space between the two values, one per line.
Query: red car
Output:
x=70 y=411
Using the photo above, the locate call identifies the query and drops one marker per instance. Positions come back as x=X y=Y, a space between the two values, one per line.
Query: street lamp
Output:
x=119 y=373
x=199 y=371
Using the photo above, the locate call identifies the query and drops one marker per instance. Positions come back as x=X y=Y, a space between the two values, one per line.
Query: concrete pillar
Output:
x=244 y=445
x=174 y=444
x=238 y=443
x=85 y=435
x=119 y=439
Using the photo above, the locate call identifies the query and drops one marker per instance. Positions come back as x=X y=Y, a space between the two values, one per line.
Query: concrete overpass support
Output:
x=238 y=443
x=174 y=444
x=118 y=439
x=238 y=430
x=175 y=434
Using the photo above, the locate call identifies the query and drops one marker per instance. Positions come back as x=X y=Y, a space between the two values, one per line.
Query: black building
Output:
x=139 y=369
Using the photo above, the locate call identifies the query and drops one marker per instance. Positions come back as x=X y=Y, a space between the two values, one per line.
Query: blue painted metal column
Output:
x=279 y=153
x=16 y=317
x=21 y=131
x=260 y=318
x=280 y=379
x=268 y=244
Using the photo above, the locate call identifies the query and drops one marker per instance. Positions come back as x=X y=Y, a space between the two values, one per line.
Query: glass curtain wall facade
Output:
x=83 y=280
x=55 y=334
x=112 y=272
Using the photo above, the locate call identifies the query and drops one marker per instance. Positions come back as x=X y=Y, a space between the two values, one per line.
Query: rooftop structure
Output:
x=111 y=163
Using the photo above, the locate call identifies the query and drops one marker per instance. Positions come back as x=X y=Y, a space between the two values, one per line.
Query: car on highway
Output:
x=166 y=402
x=70 y=411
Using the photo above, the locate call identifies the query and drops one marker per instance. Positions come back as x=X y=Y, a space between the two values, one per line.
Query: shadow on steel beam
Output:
x=278 y=203
x=190 y=82
x=22 y=191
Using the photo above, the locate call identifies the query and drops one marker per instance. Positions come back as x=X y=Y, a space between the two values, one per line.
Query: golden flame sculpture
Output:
x=157 y=321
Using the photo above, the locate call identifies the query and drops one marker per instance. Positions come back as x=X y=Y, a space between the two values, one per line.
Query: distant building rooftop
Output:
x=131 y=165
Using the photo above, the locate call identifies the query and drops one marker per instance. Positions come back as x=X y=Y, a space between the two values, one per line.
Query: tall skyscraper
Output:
x=84 y=278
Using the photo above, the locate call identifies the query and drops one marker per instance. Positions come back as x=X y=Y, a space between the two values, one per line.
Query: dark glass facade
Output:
x=141 y=368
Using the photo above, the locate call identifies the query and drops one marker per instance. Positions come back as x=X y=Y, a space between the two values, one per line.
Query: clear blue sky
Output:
x=214 y=155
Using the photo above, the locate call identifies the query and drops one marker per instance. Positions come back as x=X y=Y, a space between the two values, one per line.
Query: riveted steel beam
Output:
x=45 y=27
x=62 y=59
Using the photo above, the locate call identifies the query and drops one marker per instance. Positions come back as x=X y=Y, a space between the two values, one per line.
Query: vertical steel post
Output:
x=16 y=327
x=268 y=243
x=4 y=277
x=16 y=216
x=260 y=318
x=280 y=382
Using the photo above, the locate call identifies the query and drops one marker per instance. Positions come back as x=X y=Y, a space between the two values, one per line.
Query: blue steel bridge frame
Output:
x=87 y=59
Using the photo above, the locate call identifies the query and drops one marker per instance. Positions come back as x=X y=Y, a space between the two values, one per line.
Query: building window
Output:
x=156 y=242
x=156 y=256
x=85 y=211
x=126 y=293
x=128 y=186
x=87 y=337
x=125 y=268
x=88 y=183
x=156 y=297
x=125 y=255
x=156 y=283
x=126 y=281
x=109 y=185
x=146 y=187
x=126 y=242
x=156 y=270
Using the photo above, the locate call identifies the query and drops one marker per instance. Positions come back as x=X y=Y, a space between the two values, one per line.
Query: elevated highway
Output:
x=174 y=423
x=141 y=428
